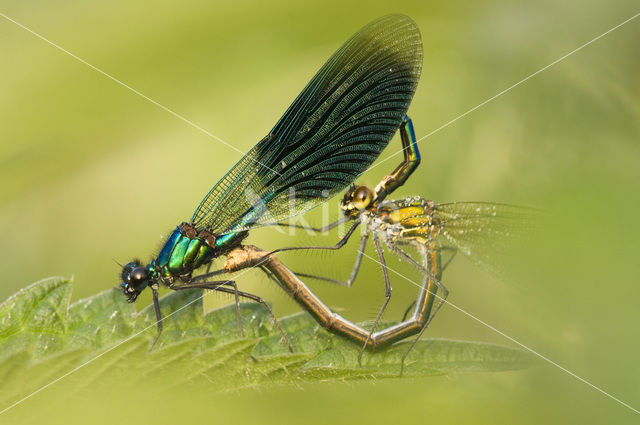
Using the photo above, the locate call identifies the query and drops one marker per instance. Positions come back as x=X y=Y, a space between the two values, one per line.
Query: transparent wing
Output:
x=485 y=231
x=334 y=130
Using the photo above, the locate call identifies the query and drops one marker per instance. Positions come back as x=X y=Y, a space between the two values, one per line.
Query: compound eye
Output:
x=362 y=197
x=127 y=269
x=139 y=274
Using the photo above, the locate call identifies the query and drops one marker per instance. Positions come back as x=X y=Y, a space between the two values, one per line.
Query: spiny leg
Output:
x=217 y=286
x=238 y=314
x=342 y=242
x=423 y=269
x=434 y=248
x=411 y=161
x=444 y=266
x=354 y=272
x=454 y=252
x=194 y=282
x=431 y=261
x=156 y=306
x=266 y=305
x=387 y=295
x=408 y=310
x=207 y=275
x=322 y=229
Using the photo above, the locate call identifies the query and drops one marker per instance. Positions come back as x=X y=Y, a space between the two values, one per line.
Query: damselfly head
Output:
x=356 y=199
x=135 y=278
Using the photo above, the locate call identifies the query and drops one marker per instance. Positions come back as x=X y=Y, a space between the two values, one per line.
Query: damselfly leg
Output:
x=215 y=286
x=192 y=284
x=354 y=271
x=322 y=229
x=221 y=286
x=387 y=294
x=454 y=251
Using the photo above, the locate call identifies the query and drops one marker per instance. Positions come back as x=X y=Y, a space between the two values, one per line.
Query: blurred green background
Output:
x=90 y=172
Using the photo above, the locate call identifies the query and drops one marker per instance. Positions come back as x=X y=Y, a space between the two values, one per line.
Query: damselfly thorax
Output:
x=407 y=220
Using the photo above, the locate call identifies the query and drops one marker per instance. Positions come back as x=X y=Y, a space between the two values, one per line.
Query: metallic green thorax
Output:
x=187 y=249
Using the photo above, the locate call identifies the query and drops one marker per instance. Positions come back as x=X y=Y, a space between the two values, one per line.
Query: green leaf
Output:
x=105 y=343
x=35 y=318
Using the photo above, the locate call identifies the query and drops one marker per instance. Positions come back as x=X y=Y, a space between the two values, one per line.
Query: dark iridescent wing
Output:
x=333 y=131
x=485 y=231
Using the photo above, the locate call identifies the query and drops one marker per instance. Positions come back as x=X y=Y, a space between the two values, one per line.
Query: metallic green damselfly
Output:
x=334 y=130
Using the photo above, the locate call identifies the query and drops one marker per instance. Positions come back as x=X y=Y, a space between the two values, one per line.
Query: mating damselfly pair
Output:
x=331 y=134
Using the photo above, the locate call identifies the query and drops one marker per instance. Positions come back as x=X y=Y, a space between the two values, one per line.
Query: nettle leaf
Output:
x=105 y=343
x=35 y=318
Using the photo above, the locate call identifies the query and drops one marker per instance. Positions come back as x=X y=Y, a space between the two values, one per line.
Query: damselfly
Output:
x=332 y=132
x=428 y=227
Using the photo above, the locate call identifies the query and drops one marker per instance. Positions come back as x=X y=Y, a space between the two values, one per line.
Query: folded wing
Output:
x=334 y=130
